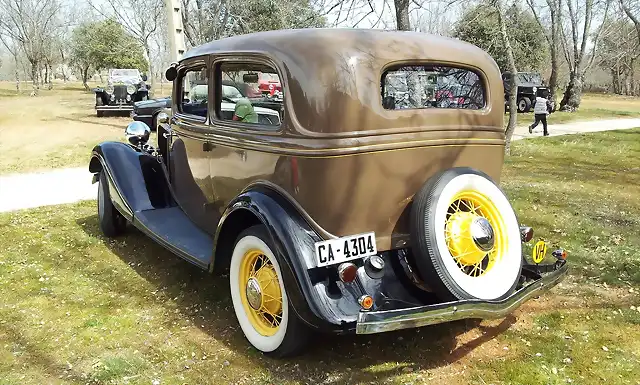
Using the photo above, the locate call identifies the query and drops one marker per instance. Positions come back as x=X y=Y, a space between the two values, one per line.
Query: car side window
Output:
x=195 y=91
x=432 y=86
x=249 y=93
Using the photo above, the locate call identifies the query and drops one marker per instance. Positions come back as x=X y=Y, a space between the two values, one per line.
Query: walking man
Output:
x=541 y=109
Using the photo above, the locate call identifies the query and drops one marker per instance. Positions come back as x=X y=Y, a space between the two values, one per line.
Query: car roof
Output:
x=332 y=78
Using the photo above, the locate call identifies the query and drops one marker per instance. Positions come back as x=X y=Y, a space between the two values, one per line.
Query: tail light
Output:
x=347 y=272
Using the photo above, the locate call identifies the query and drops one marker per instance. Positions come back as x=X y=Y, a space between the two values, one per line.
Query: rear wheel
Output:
x=112 y=223
x=466 y=237
x=260 y=298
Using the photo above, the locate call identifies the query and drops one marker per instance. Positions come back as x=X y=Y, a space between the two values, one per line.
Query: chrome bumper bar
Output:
x=370 y=322
x=117 y=107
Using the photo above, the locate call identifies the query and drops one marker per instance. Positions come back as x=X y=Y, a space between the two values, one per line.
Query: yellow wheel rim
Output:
x=260 y=292
x=467 y=209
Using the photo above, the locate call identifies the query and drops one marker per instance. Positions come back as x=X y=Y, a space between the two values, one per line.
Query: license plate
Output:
x=346 y=248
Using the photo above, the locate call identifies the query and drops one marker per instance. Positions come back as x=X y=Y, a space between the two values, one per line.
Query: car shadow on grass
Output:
x=204 y=299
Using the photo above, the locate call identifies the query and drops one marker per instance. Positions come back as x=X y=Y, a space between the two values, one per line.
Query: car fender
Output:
x=294 y=240
x=127 y=171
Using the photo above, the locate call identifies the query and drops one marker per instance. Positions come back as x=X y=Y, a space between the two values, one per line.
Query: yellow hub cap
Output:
x=260 y=292
x=475 y=233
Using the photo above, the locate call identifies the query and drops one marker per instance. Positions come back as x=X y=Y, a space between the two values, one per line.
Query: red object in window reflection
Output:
x=269 y=83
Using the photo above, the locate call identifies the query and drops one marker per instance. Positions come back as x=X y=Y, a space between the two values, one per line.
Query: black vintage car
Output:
x=530 y=85
x=147 y=110
x=124 y=87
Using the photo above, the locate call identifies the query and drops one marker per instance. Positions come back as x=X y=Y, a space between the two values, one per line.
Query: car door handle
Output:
x=206 y=146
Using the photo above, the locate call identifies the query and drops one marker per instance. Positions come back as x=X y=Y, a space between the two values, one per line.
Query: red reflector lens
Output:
x=347 y=272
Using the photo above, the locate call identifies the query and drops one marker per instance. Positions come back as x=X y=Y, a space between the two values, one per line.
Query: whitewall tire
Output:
x=466 y=237
x=260 y=298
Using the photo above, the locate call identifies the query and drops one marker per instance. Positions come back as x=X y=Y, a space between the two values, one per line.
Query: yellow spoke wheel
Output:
x=260 y=298
x=475 y=233
x=260 y=292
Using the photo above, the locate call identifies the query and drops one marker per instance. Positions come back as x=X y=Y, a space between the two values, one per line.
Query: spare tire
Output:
x=465 y=236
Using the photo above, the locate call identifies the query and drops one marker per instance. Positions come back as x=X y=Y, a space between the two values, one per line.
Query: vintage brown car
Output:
x=371 y=206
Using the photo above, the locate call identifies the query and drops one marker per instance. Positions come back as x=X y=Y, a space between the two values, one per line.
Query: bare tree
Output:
x=575 y=49
x=140 y=18
x=402 y=15
x=30 y=24
x=619 y=48
x=552 y=35
x=632 y=14
x=513 y=115
x=13 y=49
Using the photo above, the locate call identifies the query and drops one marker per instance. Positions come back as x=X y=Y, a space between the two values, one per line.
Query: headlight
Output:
x=109 y=89
x=131 y=89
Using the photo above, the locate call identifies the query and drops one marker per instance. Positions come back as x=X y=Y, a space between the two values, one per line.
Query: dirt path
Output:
x=22 y=191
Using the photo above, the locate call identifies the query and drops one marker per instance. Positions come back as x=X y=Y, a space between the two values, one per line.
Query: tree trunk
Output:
x=513 y=108
x=17 y=74
x=84 y=72
x=573 y=93
x=402 y=15
x=555 y=12
x=632 y=75
x=615 y=81
x=553 y=78
x=64 y=75
x=34 y=77
x=151 y=78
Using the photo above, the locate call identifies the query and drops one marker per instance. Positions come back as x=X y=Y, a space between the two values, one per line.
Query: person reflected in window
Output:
x=244 y=112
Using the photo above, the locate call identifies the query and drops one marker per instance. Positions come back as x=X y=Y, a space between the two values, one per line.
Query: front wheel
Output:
x=99 y=103
x=112 y=223
x=466 y=237
x=260 y=298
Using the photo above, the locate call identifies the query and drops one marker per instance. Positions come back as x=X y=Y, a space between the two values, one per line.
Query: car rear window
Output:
x=432 y=86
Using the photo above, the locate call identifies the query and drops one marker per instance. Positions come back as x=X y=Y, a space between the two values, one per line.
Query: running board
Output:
x=172 y=229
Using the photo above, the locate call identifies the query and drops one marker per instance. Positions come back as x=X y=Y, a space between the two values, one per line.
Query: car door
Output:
x=234 y=167
x=189 y=155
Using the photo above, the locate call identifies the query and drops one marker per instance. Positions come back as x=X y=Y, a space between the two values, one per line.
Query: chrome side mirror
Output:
x=137 y=133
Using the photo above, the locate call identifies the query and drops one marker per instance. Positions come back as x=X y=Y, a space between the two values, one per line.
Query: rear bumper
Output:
x=370 y=322
x=119 y=107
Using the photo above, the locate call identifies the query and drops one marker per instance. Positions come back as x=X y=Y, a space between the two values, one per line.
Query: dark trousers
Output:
x=540 y=118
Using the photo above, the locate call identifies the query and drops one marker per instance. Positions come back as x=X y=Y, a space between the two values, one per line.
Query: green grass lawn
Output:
x=77 y=308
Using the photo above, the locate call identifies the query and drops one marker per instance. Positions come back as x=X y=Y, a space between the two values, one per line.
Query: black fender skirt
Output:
x=294 y=240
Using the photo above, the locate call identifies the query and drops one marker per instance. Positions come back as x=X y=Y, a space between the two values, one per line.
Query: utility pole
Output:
x=176 y=31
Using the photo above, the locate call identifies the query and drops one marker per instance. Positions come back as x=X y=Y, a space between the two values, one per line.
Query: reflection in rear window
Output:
x=428 y=86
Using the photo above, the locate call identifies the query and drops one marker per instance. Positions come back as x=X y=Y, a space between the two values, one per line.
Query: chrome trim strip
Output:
x=370 y=322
